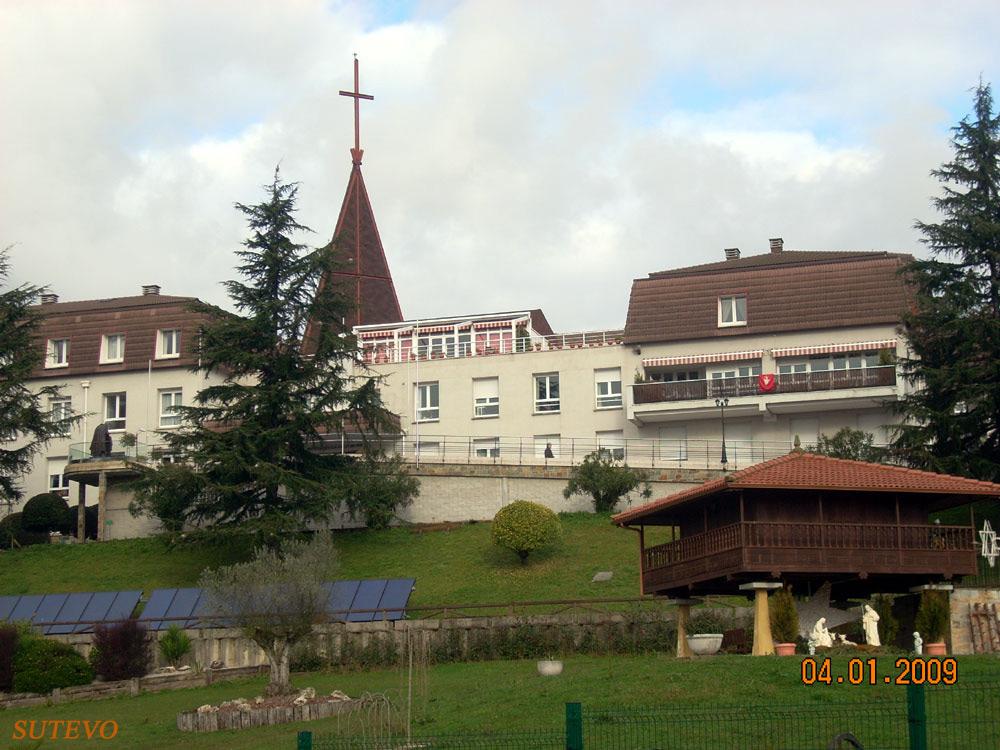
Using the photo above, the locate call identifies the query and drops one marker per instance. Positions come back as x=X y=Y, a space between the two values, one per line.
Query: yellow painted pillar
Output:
x=683 y=619
x=763 y=643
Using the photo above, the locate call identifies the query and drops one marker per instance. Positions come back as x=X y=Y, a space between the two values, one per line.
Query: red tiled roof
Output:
x=810 y=471
x=786 y=291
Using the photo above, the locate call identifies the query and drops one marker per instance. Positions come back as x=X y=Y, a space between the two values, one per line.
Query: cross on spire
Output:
x=356 y=152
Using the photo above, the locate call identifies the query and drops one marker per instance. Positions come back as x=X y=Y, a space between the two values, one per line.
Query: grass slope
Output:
x=454 y=566
x=500 y=696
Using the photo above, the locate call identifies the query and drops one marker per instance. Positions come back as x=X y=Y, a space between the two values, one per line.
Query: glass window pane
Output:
x=741 y=309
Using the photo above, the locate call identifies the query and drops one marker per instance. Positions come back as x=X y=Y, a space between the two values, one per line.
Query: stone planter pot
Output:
x=704 y=644
x=549 y=667
x=784 y=649
x=937 y=648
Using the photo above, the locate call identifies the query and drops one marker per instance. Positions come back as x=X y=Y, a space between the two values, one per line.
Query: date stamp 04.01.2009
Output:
x=906 y=671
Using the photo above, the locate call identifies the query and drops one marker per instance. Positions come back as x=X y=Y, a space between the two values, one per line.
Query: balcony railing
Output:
x=835 y=547
x=381 y=353
x=800 y=382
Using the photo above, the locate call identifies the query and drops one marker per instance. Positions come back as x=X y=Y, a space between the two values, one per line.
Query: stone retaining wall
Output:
x=961 y=624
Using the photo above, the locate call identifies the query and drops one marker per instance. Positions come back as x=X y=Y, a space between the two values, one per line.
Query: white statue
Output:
x=870 y=622
x=918 y=644
x=812 y=647
x=844 y=641
x=820 y=634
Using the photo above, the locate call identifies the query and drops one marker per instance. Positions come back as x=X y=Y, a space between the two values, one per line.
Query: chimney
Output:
x=49 y=298
x=777 y=244
x=732 y=253
x=148 y=289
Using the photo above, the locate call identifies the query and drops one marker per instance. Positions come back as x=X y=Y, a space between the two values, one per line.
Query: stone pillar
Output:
x=683 y=620
x=102 y=503
x=763 y=644
x=81 y=512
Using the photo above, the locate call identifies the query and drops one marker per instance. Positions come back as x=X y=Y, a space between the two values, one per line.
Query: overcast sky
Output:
x=517 y=154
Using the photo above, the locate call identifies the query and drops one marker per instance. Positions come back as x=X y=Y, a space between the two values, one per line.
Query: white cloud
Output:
x=517 y=154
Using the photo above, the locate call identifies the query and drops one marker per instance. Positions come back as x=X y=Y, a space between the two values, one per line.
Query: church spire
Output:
x=361 y=270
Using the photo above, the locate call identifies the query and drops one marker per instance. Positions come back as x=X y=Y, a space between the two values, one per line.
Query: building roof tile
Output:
x=810 y=471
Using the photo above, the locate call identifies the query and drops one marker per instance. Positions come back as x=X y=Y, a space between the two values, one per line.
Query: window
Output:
x=57 y=353
x=547 y=393
x=428 y=448
x=673 y=443
x=61 y=410
x=545 y=443
x=114 y=410
x=58 y=483
x=169 y=401
x=112 y=348
x=486 y=447
x=427 y=402
x=672 y=377
x=608 y=383
x=486 y=397
x=168 y=345
x=612 y=443
x=743 y=371
x=792 y=368
x=733 y=311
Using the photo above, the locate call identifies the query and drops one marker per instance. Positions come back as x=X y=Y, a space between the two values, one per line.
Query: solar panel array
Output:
x=383 y=598
x=83 y=611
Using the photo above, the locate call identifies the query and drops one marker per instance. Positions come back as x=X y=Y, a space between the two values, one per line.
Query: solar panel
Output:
x=368 y=596
x=48 y=610
x=7 y=604
x=156 y=607
x=183 y=605
x=71 y=611
x=96 y=610
x=341 y=596
x=123 y=606
x=394 y=598
x=25 y=608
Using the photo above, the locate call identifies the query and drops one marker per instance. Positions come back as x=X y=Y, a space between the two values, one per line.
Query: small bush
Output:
x=46 y=512
x=932 y=616
x=174 y=645
x=13 y=534
x=305 y=657
x=41 y=666
x=9 y=636
x=122 y=650
x=888 y=625
x=525 y=527
x=784 y=617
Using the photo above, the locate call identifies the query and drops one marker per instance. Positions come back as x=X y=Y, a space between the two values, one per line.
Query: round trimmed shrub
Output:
x=784 y=617
x=933 y=615
x=525 y=527
x=41 y=666
x=46 y=512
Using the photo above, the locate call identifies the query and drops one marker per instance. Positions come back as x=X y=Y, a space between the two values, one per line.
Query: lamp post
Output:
x=722 y=403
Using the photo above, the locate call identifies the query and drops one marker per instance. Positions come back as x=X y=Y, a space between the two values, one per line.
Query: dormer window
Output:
x=113 y=348
x=733 y=311
x=168 y=344
x=57 y=353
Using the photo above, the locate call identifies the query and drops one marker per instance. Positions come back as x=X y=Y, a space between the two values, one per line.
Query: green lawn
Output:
x=497 y=696
x=454 y=566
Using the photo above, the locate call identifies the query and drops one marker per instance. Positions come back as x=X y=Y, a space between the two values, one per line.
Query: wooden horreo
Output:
x=804 y=519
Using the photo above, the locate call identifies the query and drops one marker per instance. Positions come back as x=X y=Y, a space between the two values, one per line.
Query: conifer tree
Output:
x=250 y=445
x=953 y=414
x=26 y=421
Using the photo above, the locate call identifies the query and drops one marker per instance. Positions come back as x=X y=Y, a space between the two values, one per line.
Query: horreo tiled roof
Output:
x=810 y=471
x=785 y=291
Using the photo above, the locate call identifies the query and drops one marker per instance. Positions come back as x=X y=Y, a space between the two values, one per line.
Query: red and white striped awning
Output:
x=857 y=346
x=703 y=359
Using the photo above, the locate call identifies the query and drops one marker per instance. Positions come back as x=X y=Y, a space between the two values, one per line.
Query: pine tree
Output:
x=26 y=422
x=250 y=445
x=953 y=415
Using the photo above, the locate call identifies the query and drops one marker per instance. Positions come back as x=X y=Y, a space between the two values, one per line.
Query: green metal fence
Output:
x=929 y=718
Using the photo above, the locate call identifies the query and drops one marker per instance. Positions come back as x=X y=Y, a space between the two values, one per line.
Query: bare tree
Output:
x=275 y=598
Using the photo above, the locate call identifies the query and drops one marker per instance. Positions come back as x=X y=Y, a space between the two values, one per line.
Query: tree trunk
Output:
x=278 y=656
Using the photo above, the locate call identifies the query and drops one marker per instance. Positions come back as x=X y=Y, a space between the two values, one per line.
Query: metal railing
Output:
x=799 y=382
x=383 y=353
x=951 y=717
x=122 y=449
